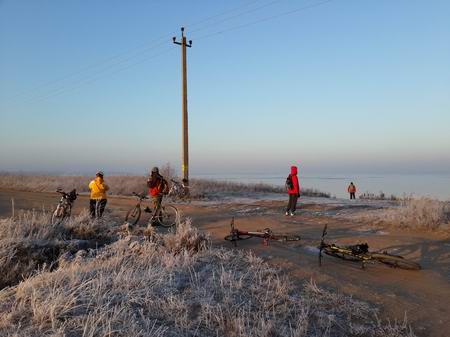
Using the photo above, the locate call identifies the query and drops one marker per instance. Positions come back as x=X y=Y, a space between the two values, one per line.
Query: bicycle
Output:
x=266 y=234
x=360 y=253
x=64 y=208
x=167 y=215
x=178 y=190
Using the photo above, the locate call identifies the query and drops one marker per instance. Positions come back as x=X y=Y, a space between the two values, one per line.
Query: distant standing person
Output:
x=97 y=202
x=157 y=185
x=293 y=190
x=352 y=190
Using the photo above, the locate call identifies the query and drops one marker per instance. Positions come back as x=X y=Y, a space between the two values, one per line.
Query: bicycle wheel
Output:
x=133 y=215
x=341 y=255
x=168 y=216
x=58 y=215
x=396 y=261
x=285 y=238
x=233 y=237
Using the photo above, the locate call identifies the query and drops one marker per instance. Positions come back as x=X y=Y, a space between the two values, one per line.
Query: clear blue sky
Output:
x=346 y=86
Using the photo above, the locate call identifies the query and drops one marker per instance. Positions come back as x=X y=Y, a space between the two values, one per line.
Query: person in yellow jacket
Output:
x=97 y=202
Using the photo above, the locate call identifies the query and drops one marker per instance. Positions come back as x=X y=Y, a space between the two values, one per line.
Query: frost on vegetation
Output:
x=422 y=214
x=125 y=185
x=177 y=285
x=30 y=242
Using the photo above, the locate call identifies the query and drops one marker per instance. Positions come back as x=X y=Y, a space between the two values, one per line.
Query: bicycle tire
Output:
x=232 y=237
x=396 y=261
x=341 y=255
x=58 y=215
x=168 y=216
x=286 y=238
x=133 y=215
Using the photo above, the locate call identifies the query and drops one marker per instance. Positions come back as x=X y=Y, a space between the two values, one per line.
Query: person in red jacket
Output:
x=293 y=190
x=157 y=186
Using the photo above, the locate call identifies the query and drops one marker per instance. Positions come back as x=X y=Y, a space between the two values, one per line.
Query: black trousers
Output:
x=352 y=195
x=96 y=207
x=292 y=204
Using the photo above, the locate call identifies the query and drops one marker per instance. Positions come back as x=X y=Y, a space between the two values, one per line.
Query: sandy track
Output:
x=422 y=295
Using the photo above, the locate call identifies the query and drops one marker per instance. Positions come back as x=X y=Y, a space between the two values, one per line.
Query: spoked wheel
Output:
x=234 y=234
x=237 y=237
x=341 y=255
x=285 y=238
x=396 y=261
x=168 y=216
x=322 y=244
x=133 y=215
x=59 y=215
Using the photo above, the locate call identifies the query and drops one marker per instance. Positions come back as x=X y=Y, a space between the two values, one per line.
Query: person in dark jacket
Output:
x=157 y=186
x=293 y=190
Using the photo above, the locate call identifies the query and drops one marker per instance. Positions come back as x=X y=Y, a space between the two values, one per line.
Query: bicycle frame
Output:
x=332 y=249
x=266 y=234
x=64 y=207
x=178 y=189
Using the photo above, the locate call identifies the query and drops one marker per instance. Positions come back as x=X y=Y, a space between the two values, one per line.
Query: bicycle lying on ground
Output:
x=64 y=207
x=266 y=234
x=167 y=215
x=178 y=190
x=360 y=253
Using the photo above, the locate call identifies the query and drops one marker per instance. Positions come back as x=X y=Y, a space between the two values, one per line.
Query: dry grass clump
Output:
x=186 y=239
x=29 y=242
x=422 y=214
x=143 y=288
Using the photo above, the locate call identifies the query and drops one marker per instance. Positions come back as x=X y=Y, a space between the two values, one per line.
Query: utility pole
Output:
x=185 y=162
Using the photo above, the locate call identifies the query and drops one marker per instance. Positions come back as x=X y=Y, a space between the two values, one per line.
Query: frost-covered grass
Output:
x=29 y=242
x=125 y=185
x=421 y=214
x=176 y=285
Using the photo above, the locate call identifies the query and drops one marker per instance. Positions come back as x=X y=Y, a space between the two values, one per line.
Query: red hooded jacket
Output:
x=295 y=187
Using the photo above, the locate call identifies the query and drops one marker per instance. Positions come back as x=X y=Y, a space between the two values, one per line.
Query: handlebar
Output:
x=64 y=193
x=140 y=196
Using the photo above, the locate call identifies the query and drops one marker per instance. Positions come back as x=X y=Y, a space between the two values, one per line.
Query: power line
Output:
x=104 y=71
x=106 y=68
x=123 y=54
x=221 y=14
x=264 y=19
x=78 y=85
x=94 y=65
x=237 y=15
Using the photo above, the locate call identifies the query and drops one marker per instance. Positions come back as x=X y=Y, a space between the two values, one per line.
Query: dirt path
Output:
x=423 y=296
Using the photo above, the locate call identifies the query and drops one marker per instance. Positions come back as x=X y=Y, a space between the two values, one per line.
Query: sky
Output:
x=332 y=86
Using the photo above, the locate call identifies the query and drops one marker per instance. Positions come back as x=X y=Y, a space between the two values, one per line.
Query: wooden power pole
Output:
x=185 y=162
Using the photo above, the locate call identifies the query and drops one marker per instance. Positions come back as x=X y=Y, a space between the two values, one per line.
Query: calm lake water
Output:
x=419 y=185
